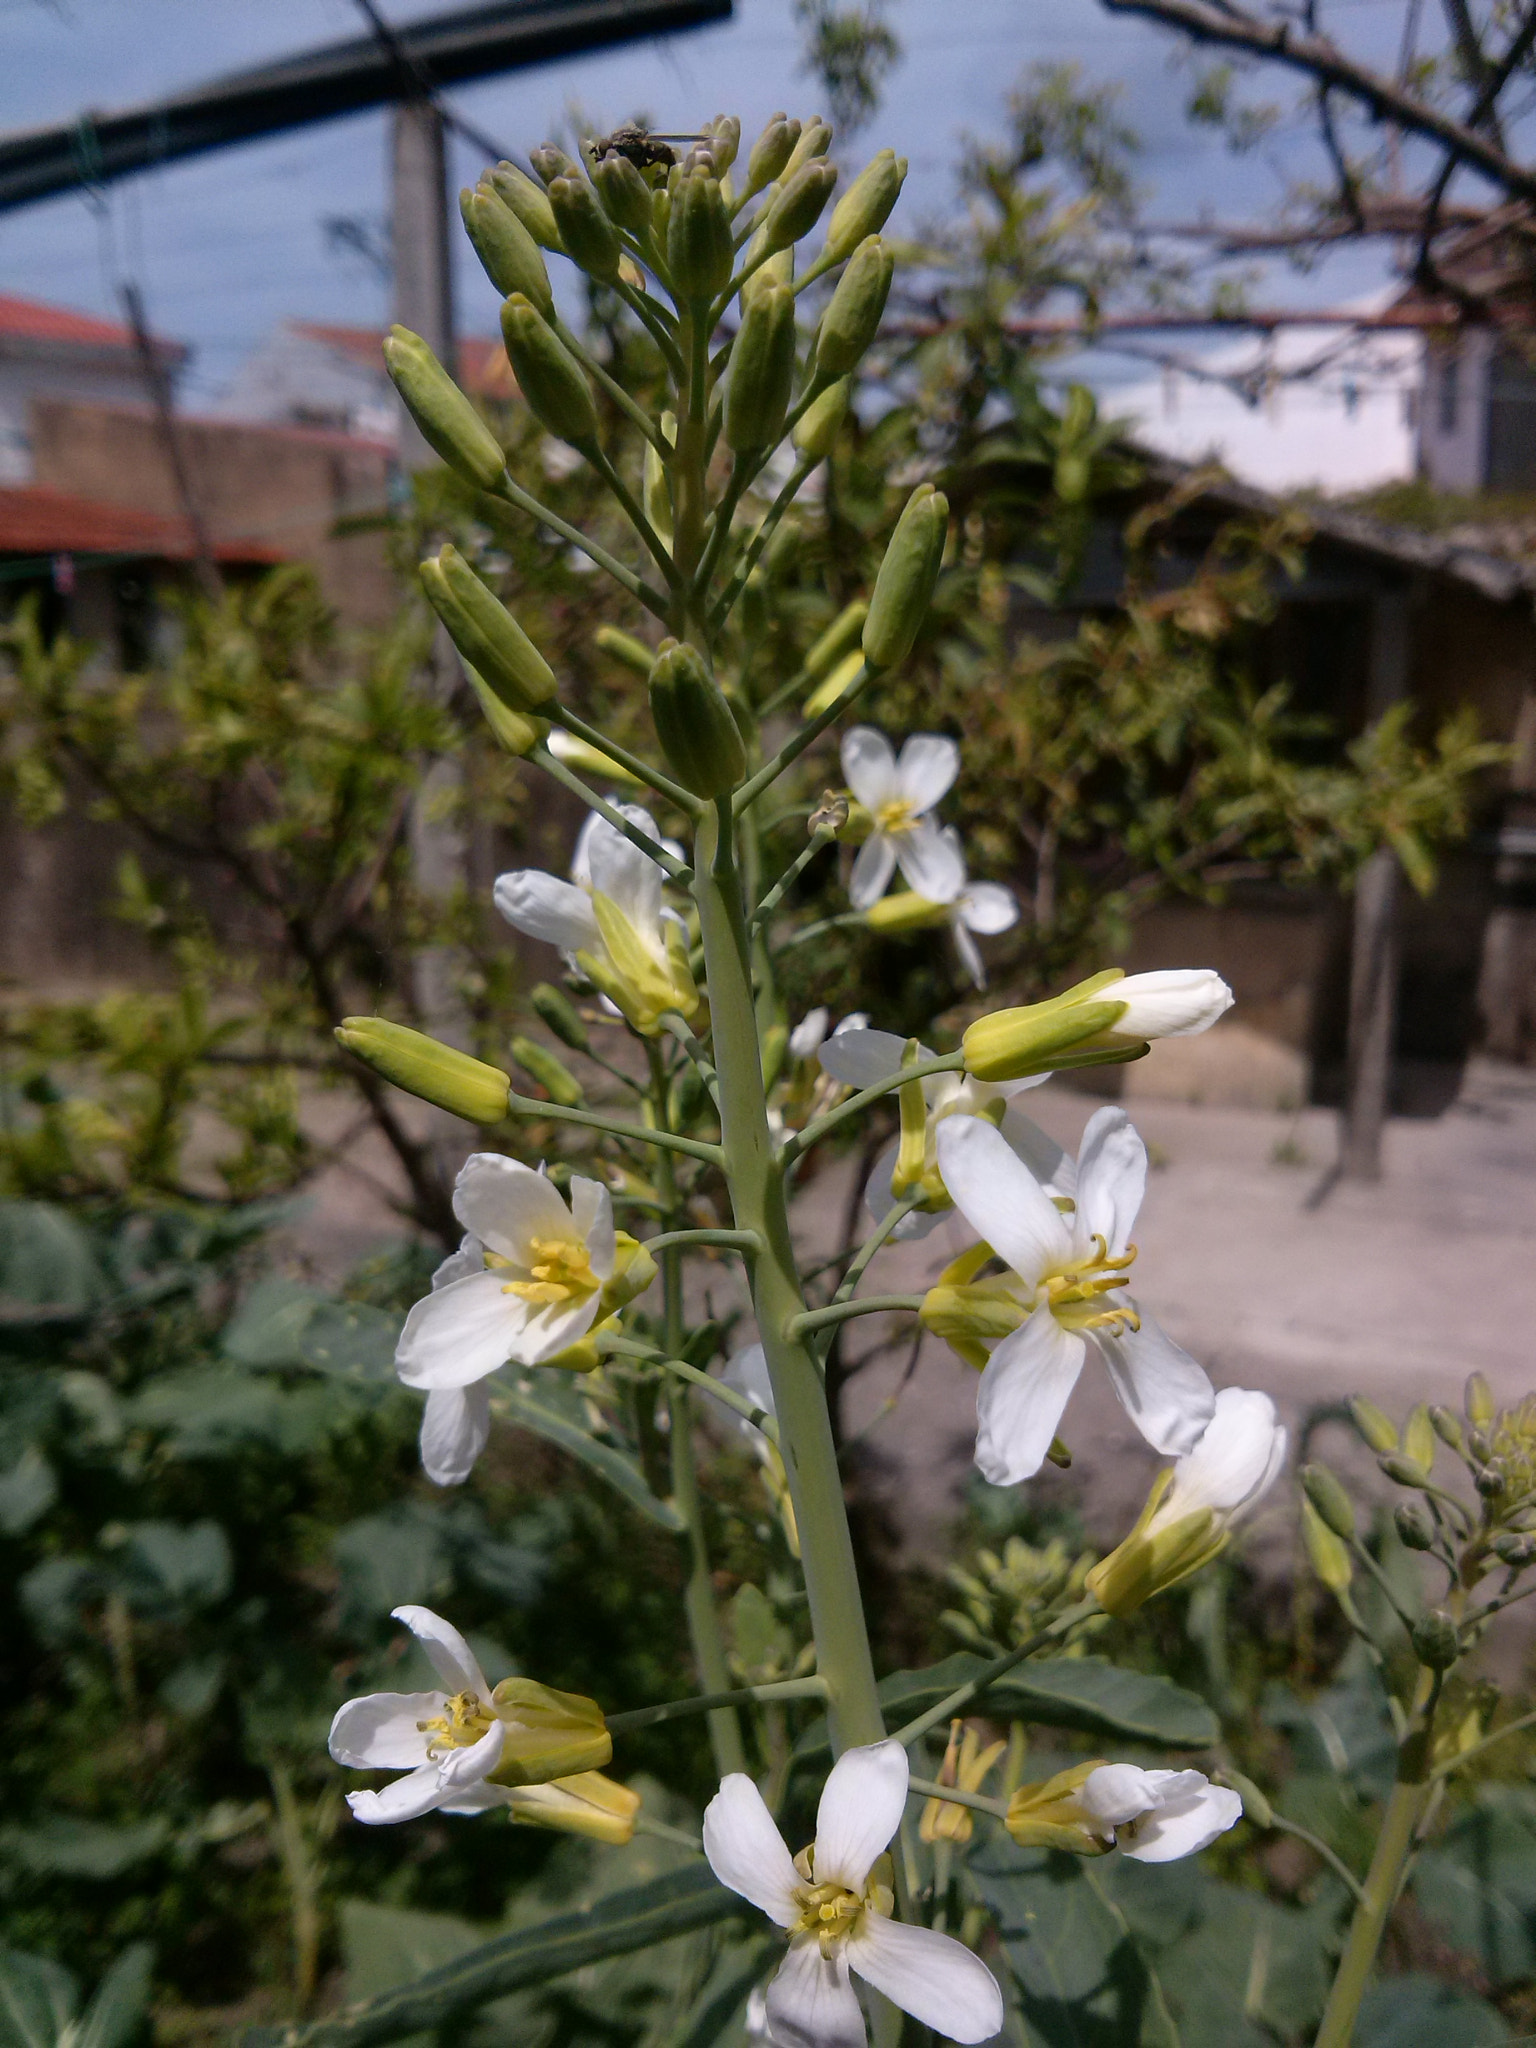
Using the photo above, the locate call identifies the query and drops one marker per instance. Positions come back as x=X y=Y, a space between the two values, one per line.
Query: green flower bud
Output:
x=622 y=187
x=485 y=632
x=852 y=320
x=814 y=140
x=1402 y=1471
x=551 y=1073
x=1329 y=1498
x=1447 y=1426
x=1256 y=1806
x=724 y=133
x=762 y=371
x=1492 y=1480
x=799 y=205
x=1414 y=1527
x=549 y=1734
x=1480 y=1406
x=779 y=268
x=771 y=152
x=656 y=486
x=1480 y=1444
x=816 y=429
x=551 y=162
x=1515 y=1547
x=1377 y=1429
x=519 y=735
x=549 y=376
x=1327 y=1555
x=508 y=254
x=866 y=206
x=699 y=248
x=448 y=422
x=625 y=648
x=840 y=639
x=904 y=587
x=586 y=231
x=698 y=734
x=420 y=1065
x=559 y=1014
x=528 y=201
x=1009 y=1044
x=905 y=911
x=1419 y=1437
x=1436 y=1643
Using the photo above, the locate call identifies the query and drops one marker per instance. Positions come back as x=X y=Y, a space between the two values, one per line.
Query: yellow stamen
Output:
x=830 y=1911
x=461 y=1727
x=560 y=1270
x=896 y=816
x=1072 y=1294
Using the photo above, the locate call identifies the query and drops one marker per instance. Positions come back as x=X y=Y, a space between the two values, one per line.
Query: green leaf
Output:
x=1478 y=1883
x=388 y=1947
x=27 y=1492
x=113 y=2015
x=215 y=1414
x=176 y=1565
x=61 y=1846
x=352 y=1340
x=568 y=1431
x=394 y=1559
x=48 y=1268
x=1420 y=2012
x=269 y=1325
x=619 y=1924
x=37 y=2000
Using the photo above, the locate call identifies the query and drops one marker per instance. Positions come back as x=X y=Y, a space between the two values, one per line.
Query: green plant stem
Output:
x=704 y=1703
x=634 y=1134
x=552 y=765
x=802 y=1141
x=928 y=1788
x=647 y=1824
x=634 y=512
x=635 y=413
x=802 y=860
x=956 y=1702
x=728 y=1397
x=726 y=1240
x=756 y=1181
x=842 y=1311
x=653 y=600
x=808 y=734
x=1320 y=1848
x=880 y=1235
x=642 y=771
x=762 y=534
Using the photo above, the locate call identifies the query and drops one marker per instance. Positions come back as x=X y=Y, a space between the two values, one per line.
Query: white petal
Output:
x=1172 y=1003
x=592 y=1218
x=873 y=866
x=455 y=1425
x=928 y=766
x=581 y=853
x=809 y=1032
x=506 y=1203
x=1186 y=1826
x=1000 y=1198
x=1022 y=1395
x=477 y=1798
x=546 y=908
x=1051 y=1164
x=932 y=861
x=863 y=1059
x=1111 y=1180
x=1237 y=1459
x=869 y=766
x=380 y=1732
x=628 y=878
x=811 y=2003
x=989 y=907
x=856 y=1020
x=970 y=954
x=469 y=1258
x=930 y=1975
x=1165 y=1393
x=746 y=1851
x=461 y=1333
x=461 y=1768
x=449 y=1655
x=406 y=1798
x=1117 y=1793
x=860 y=1810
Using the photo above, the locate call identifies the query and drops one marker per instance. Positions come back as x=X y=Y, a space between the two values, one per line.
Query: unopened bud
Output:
x=624 y=647
x=1256 y=1806
x=724 y=133
x=1329 y=1498
x=1403 y=1471
x=552 y=1074
x=1379 y=1431
x=866 y=206
x=813 y=141
x=1480 y=1406
x=485 y=632
x=529 y=202
x=586 y=231
x=1436 y=1643
x=1480 y=1445
x=852 y=319
x=519 y=735
x=437 y=1073
x=625 y=193
x=779 y=269
x=1011 y=1044
x=549 y=1734
x=836 y=685
x=1447 y=1426
x=548 y=375
x=841 y=638
x=799 y=205
x=585 y=1803
x=817 y=427
x=448 y=422
x=1414 y=1527
x=550 y=162
x=1047 y=1815
x=771 y=152
x=905 y=911
x=830 y=815
x=1325 y=1551
x=1419 y=1437
x=508 y=254
x=904 y=587
x=559 y=1014
x=762 y=371
x=694 y=724
x=1492 y=1479
x=699 y=249
x=1514 y=1547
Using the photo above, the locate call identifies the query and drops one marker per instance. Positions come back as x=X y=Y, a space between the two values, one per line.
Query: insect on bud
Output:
x=816 y=429
x=694 y=724
x=762 y=371
x=866 y=206
x=799 y=205
x=771 y=152
x=508 y=254
x=1377 y=1429
x=1436 y=1643
x=529 y=202
x=437 y=1073
x=586 y=231
x=449 y=423
x=1329 y=1498
x=904 y=587
x=552 y=1074
x=559 y=1014
x=485 y=632
x=699 y=248
x=548 y=375
x=1414 y=1527
x=852 y=320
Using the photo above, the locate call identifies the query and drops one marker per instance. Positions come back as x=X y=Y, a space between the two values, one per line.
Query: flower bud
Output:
x=905 y=911
x=866 y=206
x=420 y=1065
x=633 y=1268
x=551 y=162
x=1379 y=1431
x=549 y=1734
x=449 y=423
x=625 y=193
x=694 y=724
x=1447 y=1426
x=1492 y=1479
x=762 y=371
x=1436 y=1642
x=485 y=632
x=1480 y=1406
x=586 y=1804
x=519 y=735
x=1256 y=1806
x=586 y=231
x=904 y=587
x=528 y=201
x=1329 y=1498
x=624 y=647
x=771 y=152
x=1480 y=1445
x=840 y=638
x=558 y=1013
x=1414 y=1528
x=551 y=1074
x=1328 y=1556
x=837 y=684
x=852 y=319
x=586 y=759
x=1047 y=1815
x=699 y=248
x=1403 y=1471
x=1012 y=1043
x=816 y=428
x=814 y=140
x=724 y=133
x=1515 y=1547
x=799 y=205
x=1419 y=1437
x=778 y=269
x=508 y=254
x=1174 y=1002
x=549 y=376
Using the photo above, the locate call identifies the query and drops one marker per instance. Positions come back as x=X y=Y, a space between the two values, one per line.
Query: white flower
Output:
x=526 y=1284
x=1237 y=1460
x=985 y=907
x=1174 y=1002
x=898 y=795
x=838 y=1916
x=447 y=1743
x=1157 y=1816
x=810 y=1034
x=1070 y=1273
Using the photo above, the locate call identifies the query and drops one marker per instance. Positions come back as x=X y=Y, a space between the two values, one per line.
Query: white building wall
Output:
x=1453 y=415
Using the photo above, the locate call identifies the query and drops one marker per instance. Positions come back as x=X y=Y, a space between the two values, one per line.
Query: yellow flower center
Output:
x=560 y=1268
x=1075 y=1294
x=831 y=1911
x=896 y=815
x=460 y=1727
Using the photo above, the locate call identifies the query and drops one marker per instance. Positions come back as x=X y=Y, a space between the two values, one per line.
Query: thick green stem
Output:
x=756 y=1183
x=1393 y=1847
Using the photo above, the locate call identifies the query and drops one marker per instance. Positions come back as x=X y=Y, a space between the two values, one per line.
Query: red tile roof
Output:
x=35 y=521
x=31 y=320
x=483 y=365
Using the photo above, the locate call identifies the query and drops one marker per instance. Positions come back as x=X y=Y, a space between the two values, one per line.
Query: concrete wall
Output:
x=1453 y=411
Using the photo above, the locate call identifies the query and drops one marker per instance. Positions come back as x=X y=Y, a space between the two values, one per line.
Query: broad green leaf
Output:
x=1478 y=1883
x=352 y=1340
x=37 y=2000
x=218 y=1413
x=48 y=1267
x=729 y=1986
x=175 y=1565
x=1420 y=2012
x=539 y=1414
x=388 y=1947
x=113 y=2015
x=62 y=1846
x=268 y=1327
x=1345 y=1730
x=27 y=1492
x=619 y=1924
x=394 y=1559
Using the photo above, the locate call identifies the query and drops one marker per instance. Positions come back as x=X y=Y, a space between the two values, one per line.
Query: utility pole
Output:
x=158 y=383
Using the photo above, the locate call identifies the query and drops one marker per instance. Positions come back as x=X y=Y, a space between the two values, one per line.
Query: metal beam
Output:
x=342 y=78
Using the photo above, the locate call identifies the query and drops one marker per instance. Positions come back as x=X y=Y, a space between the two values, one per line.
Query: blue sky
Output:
x=226 y=245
